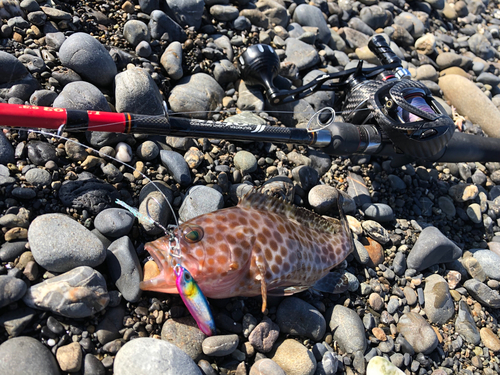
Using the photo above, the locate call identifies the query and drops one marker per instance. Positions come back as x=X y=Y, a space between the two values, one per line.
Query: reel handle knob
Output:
x=378 y=45
x=259 y=65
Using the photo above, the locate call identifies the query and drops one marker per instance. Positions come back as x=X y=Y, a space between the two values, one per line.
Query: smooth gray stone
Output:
x=171 y=60
x=225 y=72
x=9 y=251
x=155 y=201
x=347 y=328
x=59 y=243
x=301 y=54
x=481 y=46
x=220 y=345
x=82 y=95
x=299 y=318
x=374 y=16
x=11 y=69
x=108 y=328
x=490 y=263
x=309 y=15
x=379 y=212
x=199 y=94
x=185 y=334
x=79 y=293
x=357 y=189
x=146 y=356
x=465 y=324
x=187 y=12
x=6 y=150
x=40 y=153
x=43 y=98
x=65 y=75
x=86 y=56
x=136 y=92
x=92 y=366
x=162 y=27
x=114 y=222
x=37 y=176
x=432 y=247
x=418 y=332
x=11 y=290
x=135 y=31
x=27 y=356
x=147 y=6
x=177 y=166
x=34 y=64
x=124 y=268
x=439 y=306
x=359 y=25
x=55 y=40
x=482 y=293
x=15 y=321
x=200 y=200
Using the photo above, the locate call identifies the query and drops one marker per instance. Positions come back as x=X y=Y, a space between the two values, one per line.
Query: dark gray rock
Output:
x=309 y=15
x=40 y=153
x=432 y=247
x=358 y=190
x=43 y=98
x=82 y=95
x=6 y=150
x=347 y=328
x=177 y=166
x=87 y=193
x=297 y=317
x=78 y=293
x=482 y=293
x=65 y=75
x=200 y=200
x=27 y=356
x=85 y=55
x=92 y=366
x=108 y=329
x=187 y=13
x=379 y=212
x=11 y=290
x=162 y=27
x=124 y=268
x=147 y=6
x=153 y=356
x=136 y=92
x=225 y=72
x=114 y=222
x=465 y=324
x=301 y=54
x=59 y=243
x=9 y=251
x=55 y=40
x=34 y=64
x=135 y=31
x=15 y=321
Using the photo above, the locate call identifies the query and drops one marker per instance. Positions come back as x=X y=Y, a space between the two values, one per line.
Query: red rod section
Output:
x=25 y=116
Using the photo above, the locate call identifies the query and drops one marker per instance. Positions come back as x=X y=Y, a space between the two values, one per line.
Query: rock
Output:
x=309 y=15
x=92 y=365
x=465 y=324
x=483 y=293
x=323 y=198
x=135 y=31
x=347 y=329
x=70 y=357
x=147 y=151
x=86 y=56
x=82 y=95
x=245 y=162
x=375 y=252
x=439 y=306
x=358 y=190
x=200 y=200
x=16 y=321
x=490 y=263
x=379 y=212
x=124 y=268
x=171 y=60
x=490 y=339
x=165 y=28
x=431 y=248
x=185 y=334
x=198 y=95
x=108 y=328
x=301 y=54
x=87 y=193
x=155 y=200
x=6 y=150
x=11 y=290
x=38 y=177
x=417 y=332
x=40 y=153
x=59 y=243
x=264 y=335
x=187 y=13
x=376 y=231
x=26 y=356
x=177 y=166
x=146 y=356
x=381 y=366
x=78 y=293
x=225 y=72
x=224 y=13
x=297 y=317
x=470 y=101
x=114 y=222
x=220 y=345
x=136 y=92
x=266 y=366
x=294 y=358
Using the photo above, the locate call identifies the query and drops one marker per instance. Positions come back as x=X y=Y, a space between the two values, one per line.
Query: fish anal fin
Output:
x=333 y=282
x=261 y=267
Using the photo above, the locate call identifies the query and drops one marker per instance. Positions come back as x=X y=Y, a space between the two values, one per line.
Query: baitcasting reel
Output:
x=404 y=110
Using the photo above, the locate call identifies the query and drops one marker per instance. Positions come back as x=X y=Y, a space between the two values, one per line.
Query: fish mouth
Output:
x=157 y=254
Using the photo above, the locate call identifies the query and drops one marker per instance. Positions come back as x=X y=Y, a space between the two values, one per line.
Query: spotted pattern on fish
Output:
x=263 y=244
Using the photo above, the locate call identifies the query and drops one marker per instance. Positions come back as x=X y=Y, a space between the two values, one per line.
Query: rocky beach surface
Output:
x=424 y=276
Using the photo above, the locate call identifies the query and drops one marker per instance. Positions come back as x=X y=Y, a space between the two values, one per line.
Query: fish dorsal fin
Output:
x=263 y=202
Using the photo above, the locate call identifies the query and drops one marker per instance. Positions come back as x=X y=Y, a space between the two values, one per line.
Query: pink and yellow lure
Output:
x=194 y=300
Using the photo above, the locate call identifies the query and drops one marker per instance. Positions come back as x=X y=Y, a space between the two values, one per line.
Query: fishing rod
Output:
x=383 y=113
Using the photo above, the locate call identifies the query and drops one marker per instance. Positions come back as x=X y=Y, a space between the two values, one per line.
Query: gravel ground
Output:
x=423 y=279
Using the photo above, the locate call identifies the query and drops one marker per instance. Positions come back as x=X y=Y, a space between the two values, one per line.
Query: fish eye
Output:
x=193 y=234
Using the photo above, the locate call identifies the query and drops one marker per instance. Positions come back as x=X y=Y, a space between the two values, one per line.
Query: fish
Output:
x=195 y=301
x=262 y=246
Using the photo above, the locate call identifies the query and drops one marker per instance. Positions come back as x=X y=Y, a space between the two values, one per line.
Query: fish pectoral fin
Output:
x=333 y=282
x=263 y=286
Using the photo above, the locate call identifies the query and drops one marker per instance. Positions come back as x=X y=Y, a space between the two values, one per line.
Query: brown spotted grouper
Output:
x=262 y=246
